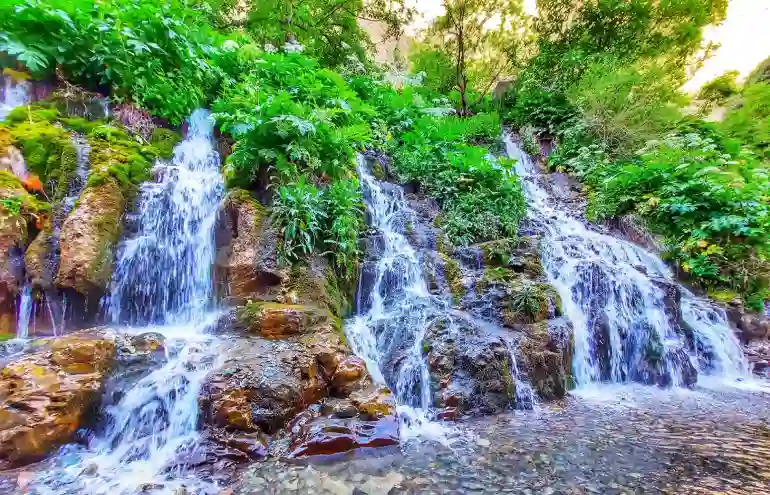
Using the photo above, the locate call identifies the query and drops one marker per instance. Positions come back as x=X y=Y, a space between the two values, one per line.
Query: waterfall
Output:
x=394 y=315
x=621 y=301
x=162 y=280
x=26 y=309
x=164 y=274
x=15 y=94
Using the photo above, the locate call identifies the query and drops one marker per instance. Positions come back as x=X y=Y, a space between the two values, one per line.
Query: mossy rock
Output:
x=275 y=321
x=164 y=140
x=453 y=277
x=89 y=237
x=547 y=360
x=315 y=282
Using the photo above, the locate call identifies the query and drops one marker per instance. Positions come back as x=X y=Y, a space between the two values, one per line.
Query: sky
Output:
x=744 y=37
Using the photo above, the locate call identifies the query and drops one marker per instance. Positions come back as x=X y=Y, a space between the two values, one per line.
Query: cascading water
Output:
x=391 y=325
x=15 y=94
x=618 y=297
x=163 y=276
x=26 y=309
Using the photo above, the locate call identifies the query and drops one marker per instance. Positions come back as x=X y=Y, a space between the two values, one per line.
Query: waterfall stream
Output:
x=15 y=94
x=395 y=313
x=162 y=284
x=619 y=299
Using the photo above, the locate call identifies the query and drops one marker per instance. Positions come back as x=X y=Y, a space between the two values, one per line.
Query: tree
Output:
x=482 y=38
x=327 y=29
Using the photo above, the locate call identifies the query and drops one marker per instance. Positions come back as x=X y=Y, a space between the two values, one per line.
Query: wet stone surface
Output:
x=627 y=440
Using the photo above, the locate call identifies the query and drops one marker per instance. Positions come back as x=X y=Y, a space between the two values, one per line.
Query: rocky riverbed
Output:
x=618 y=440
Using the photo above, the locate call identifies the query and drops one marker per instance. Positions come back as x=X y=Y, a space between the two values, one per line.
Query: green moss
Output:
x=80 y=125
x=68 y=164
x=6 y=336
x=322 y=287
x=498 y=252
x=113 y=156
x=42 y=145
x=723 y=295
x=379 y=172
x=33 y=114
x=164 y=140
x=453 y=277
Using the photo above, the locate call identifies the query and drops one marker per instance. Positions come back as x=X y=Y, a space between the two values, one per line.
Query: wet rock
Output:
x=254 y=444
x=521 y=255
x=374 y=404
x=470 y=369
x=264 y=383
x=47 y=396
x=546 y=357
x=349 y=376
x=330 y=436
x=89 y=237
x=247 y=249
x=276 y=321
x=14 y=236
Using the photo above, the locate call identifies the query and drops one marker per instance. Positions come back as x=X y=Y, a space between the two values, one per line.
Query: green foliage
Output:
x=154 y=53
x=298 y=209
x=328 y=30
x=712 y=207
x=297 y=128
x=750 y=120
x=760 y=74
x=482 y=200
x=720 y=88
x=436 y=65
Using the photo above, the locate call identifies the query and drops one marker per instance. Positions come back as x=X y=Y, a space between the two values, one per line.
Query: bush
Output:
x=750 y=120
x=711 y=207
x=152 y=53
x=447 y=156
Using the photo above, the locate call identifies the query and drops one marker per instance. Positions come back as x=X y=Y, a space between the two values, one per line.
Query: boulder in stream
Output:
x=47 y=395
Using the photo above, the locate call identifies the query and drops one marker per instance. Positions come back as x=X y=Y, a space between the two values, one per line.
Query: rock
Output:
x=470 y=369
x=546 y=357
x=247 y=248
x=76 y=355
x=47 y=396
x=349 y=376
x=276 y=321
x=14 y=232
x=262 y=384
x=330 y=436
x=254 y=445
x=374 y=404
x=36 y=260
x=88 y=239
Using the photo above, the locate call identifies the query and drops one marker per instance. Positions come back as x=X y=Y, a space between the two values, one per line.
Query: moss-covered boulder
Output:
x=46 y=396
x=20 y=211
x=546 y=357
x=89 y=237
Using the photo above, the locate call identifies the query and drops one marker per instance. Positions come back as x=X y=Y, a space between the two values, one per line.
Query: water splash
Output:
x=616 y=295
x=15 y=94
x=150 y=441
x=26 y=309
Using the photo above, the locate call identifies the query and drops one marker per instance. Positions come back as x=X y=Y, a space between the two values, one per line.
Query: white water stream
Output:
x=614 y=292
x=162 y=283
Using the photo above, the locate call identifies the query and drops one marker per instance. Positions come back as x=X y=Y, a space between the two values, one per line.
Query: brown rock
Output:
x=13 y=240
x=349 y=375
x=42 y=404
x=247 y=257
x=77 y=355
x=276 y=321
x=330 y=436
x=88 y=239
x=35 y=260
x=374 y=404
x=262 y=383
